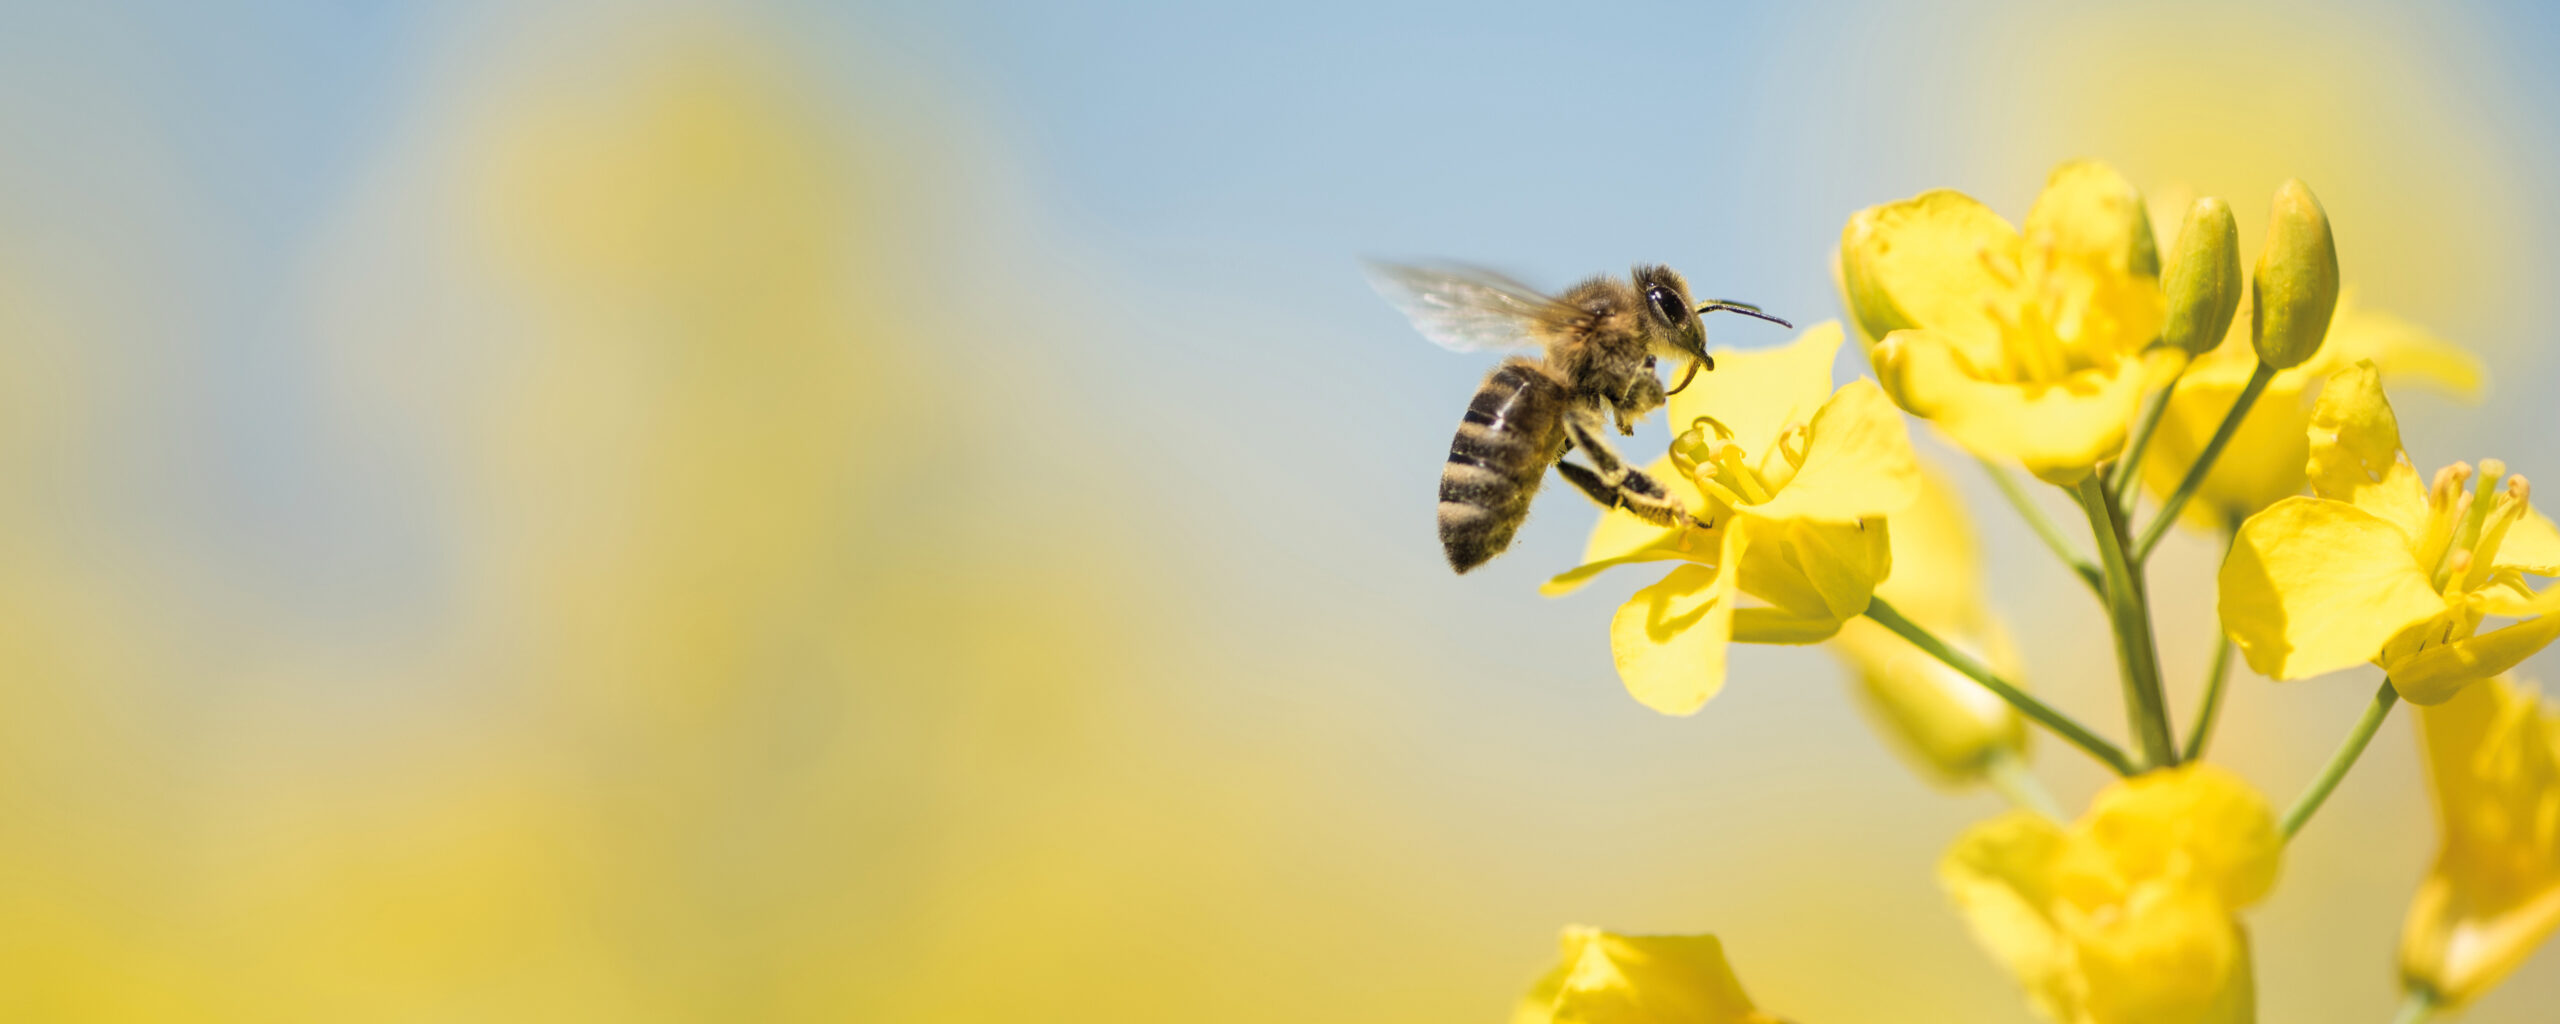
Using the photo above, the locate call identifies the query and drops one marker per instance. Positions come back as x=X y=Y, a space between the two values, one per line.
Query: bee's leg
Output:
x=1631 y=493
x=1613 y=483
x=1644 y=395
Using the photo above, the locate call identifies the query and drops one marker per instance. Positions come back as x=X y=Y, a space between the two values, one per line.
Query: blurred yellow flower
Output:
x=2033 y=348
x=1793 y=480
x=1607 y=978
x=2493 y=759
x=1950 y=727
x=2126 y=916
x=2380 y=568
x=2263 y=463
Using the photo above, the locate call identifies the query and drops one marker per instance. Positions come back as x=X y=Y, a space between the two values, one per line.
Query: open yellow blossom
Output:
x=2127 y=916
x=1607 y=978
x=2493 y=759
x=2379 y=567
x=1794 y=481
x=1946 y=724
x=2031 y=347
x=2263 y=463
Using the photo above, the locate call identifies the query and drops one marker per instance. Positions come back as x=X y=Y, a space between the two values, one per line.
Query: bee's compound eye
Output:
x=1665 y=304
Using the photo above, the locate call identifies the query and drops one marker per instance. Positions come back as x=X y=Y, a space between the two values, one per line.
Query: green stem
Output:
x=2129 y=464
x=2129 y=609
x=2043 y=527
x=2177 y=502
x=2216 y=676
x=2417 y=1008
x=2212 y=708
x=2311 y=799
x=2009 y=774
x=2062 y=724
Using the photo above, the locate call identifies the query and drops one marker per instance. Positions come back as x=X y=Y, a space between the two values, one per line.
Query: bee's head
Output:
x=1676 y=331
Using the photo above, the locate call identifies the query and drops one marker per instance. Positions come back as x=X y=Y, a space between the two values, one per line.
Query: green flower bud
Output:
x=2297 y=280
x=2204 y=278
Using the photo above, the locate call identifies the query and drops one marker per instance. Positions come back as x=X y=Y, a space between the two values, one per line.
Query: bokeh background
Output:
x=908 y=511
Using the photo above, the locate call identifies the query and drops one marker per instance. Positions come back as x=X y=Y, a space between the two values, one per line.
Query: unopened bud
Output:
x=2204 y=278
x=2297 y=280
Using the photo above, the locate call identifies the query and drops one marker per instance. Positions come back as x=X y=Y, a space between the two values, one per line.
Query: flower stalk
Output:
x=2384 y=699
x=2177 y=500
x=2129 y=611
x=2063 y=725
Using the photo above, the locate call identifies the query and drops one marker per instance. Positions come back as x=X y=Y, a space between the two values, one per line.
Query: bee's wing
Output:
x=1470 y=309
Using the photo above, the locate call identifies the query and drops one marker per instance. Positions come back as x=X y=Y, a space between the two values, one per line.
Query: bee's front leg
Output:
x=1644 y=394
x=1611 y=482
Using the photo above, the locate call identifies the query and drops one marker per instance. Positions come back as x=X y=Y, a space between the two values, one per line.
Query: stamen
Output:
x=1737 y=471
x=1792 y=444
x=2510 y=507
x=2457 y=575
x=2447 y=504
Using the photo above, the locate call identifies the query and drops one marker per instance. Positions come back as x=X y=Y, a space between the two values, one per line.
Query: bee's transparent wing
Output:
x=1469 y=309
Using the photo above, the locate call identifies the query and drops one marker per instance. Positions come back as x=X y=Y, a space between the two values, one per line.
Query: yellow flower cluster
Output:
x=2067 y=349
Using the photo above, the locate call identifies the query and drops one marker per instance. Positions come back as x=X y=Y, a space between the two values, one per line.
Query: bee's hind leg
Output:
x=1635 y=491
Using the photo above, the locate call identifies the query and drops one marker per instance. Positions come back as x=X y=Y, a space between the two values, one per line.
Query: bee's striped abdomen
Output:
x=1513 y=431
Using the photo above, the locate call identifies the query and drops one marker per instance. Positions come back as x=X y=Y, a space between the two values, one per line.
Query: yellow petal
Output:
x=2089 y=212
x=2355 y=451
x=2403 y=351
x=2314 y=586
x=2261 y=465
x=1937 y=565
x=1857 y=461
x=2169 y=953
x=2000 y=875
x=2493 y=894
x=1669 y=639
x=1607 y=978
x=1921 y=263
x=1757 y=393
x=2058 y=431
x=2532 y=545
x=2196 y=824
x=1814 y=575
x=2435 y=674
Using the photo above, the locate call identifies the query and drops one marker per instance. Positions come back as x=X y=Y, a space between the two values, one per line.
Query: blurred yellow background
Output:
x=770 y=512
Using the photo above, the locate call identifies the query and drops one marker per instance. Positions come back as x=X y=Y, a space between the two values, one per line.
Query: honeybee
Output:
x=1601 y=341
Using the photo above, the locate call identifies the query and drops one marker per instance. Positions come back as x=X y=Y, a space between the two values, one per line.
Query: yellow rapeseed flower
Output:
x=2263 y=463
x=2127 y=916
x=1946 y=724
x=2493 y=759
x=1793 y=481
x=2031 y=347
x=1607 y=978
x=2381 y=568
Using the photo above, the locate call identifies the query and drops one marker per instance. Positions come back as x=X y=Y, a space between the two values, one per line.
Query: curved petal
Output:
x=1937 y=565
x=1758 y=393
x=1669 y=639
x=2262 y=463
x=2167 y=954
x=2196 y=824
x=2058 y=431
x=1857 y=462
x=2314 y=586
x=2000 y=875
x=2532 y=544
x=2434 y=674
x=2355 y=451
x=2088 y=211
x=2403 y=351
x=1921 y=263
x=1607 y=978
x=2493 y=895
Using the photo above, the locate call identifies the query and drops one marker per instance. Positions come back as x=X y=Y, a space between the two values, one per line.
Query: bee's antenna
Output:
x=1744 y=308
